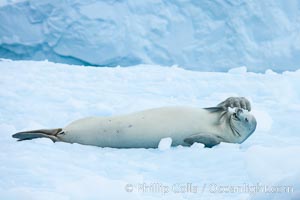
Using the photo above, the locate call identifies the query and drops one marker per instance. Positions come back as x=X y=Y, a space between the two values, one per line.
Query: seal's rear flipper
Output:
x=42 y=133
x=208 y=140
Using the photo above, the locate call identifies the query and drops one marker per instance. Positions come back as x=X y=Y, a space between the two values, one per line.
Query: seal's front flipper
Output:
x=42 y=133
x=207 y=139
x=239 y=102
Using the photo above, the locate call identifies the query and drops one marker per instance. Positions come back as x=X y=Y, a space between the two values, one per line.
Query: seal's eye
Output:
x=246 y=119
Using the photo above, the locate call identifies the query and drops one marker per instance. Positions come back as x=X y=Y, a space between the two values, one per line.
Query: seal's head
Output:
x=242 y=123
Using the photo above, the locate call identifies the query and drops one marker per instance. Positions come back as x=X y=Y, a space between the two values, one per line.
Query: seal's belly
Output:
x=143 y=129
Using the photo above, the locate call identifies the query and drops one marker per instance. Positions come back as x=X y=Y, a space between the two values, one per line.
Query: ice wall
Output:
x=208 y=35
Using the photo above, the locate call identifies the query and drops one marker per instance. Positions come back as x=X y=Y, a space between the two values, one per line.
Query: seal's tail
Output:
x=42 y=133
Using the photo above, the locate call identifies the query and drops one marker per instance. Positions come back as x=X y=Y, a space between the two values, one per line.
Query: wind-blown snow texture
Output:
x=47 y=95
x=212 y=35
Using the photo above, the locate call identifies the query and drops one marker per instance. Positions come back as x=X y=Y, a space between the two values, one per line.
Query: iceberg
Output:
x=199 y=35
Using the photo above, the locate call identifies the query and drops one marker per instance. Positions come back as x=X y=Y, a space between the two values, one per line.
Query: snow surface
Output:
x=46 y=95
x=213 y=35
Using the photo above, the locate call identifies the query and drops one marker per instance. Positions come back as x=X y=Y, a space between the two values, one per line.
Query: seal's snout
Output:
x=245 y=118
x=253 y=122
